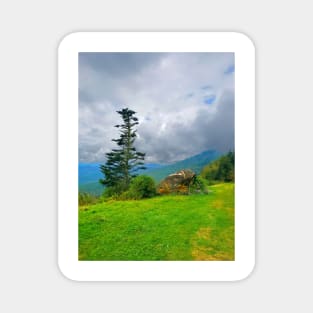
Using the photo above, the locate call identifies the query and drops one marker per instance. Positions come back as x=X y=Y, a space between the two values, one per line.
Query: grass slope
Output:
x=195 y=227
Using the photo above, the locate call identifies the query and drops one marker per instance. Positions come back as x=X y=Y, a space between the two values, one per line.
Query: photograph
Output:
x=156 y=156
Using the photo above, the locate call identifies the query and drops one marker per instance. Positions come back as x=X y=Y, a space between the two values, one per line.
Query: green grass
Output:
x=195 y=227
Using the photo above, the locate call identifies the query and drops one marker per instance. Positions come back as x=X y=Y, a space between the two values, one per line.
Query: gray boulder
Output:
x=178 y=182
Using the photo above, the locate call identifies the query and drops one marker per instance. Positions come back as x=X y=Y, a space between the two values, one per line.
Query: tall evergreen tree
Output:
x=123 y=162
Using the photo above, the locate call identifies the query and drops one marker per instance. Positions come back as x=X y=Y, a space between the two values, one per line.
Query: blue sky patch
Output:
x=209 y=99
x=230 y=69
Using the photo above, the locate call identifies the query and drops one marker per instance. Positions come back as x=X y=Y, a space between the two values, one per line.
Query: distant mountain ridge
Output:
x=89 y=173
x=195 y=163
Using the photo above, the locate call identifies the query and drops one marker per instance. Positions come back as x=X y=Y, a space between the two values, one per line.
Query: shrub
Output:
x=199 y=185
x=209 y=172
x=140 y=187
x=114 y=192
x=86 y=198
x=220 y=170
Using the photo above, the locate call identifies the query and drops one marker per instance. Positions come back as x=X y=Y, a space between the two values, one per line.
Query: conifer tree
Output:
x=123 y=162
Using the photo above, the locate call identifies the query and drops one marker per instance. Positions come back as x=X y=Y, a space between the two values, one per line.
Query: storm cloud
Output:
x=184 y=102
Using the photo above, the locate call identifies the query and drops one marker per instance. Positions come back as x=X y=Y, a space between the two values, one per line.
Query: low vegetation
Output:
x=87 y=198
x=220 y=170
x=141 y=187
x=171 y=227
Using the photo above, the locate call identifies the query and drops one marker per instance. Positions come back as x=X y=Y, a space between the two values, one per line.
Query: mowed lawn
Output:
x=195 y=227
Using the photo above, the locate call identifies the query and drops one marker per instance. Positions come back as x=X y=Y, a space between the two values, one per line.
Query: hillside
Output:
x=194 y=163
x=195 y=227
x=89 y=174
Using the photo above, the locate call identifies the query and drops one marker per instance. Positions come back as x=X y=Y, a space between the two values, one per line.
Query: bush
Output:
x=209 y=172
x=86 y=198
x=113 y=192
x=199 y=185
x=140 y=187
x=220 y=170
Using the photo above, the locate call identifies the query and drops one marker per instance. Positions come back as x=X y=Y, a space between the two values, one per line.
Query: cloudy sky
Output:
x=184 y=102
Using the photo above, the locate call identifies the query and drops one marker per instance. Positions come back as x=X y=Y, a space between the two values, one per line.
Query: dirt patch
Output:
x=204 y=233
x=202 y=254
x=218 y=204
x=202 y=251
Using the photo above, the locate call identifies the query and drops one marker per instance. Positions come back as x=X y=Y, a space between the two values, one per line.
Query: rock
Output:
x=178 y=182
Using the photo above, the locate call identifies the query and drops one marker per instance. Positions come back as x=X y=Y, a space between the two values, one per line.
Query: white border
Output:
x=244 y=51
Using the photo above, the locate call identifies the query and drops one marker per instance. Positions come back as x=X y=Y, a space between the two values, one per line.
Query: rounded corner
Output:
x=65 y=274
x=245 y=39
x=247 y=274
x=67 y=39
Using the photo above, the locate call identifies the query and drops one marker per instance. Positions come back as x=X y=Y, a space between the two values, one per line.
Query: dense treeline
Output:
x=220 y=170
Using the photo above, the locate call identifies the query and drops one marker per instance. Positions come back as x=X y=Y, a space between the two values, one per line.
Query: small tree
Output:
x=123 y=162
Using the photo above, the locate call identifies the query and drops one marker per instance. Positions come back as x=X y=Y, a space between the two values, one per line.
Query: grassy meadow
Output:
x=168 y=227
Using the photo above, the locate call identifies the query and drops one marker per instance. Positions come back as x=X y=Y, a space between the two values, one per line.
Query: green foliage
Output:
x=199 y=185
x=221 y=170
x=114 y=191
x=197 y=227
x=123 y=162
x=141 y=187
x=87 y=198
